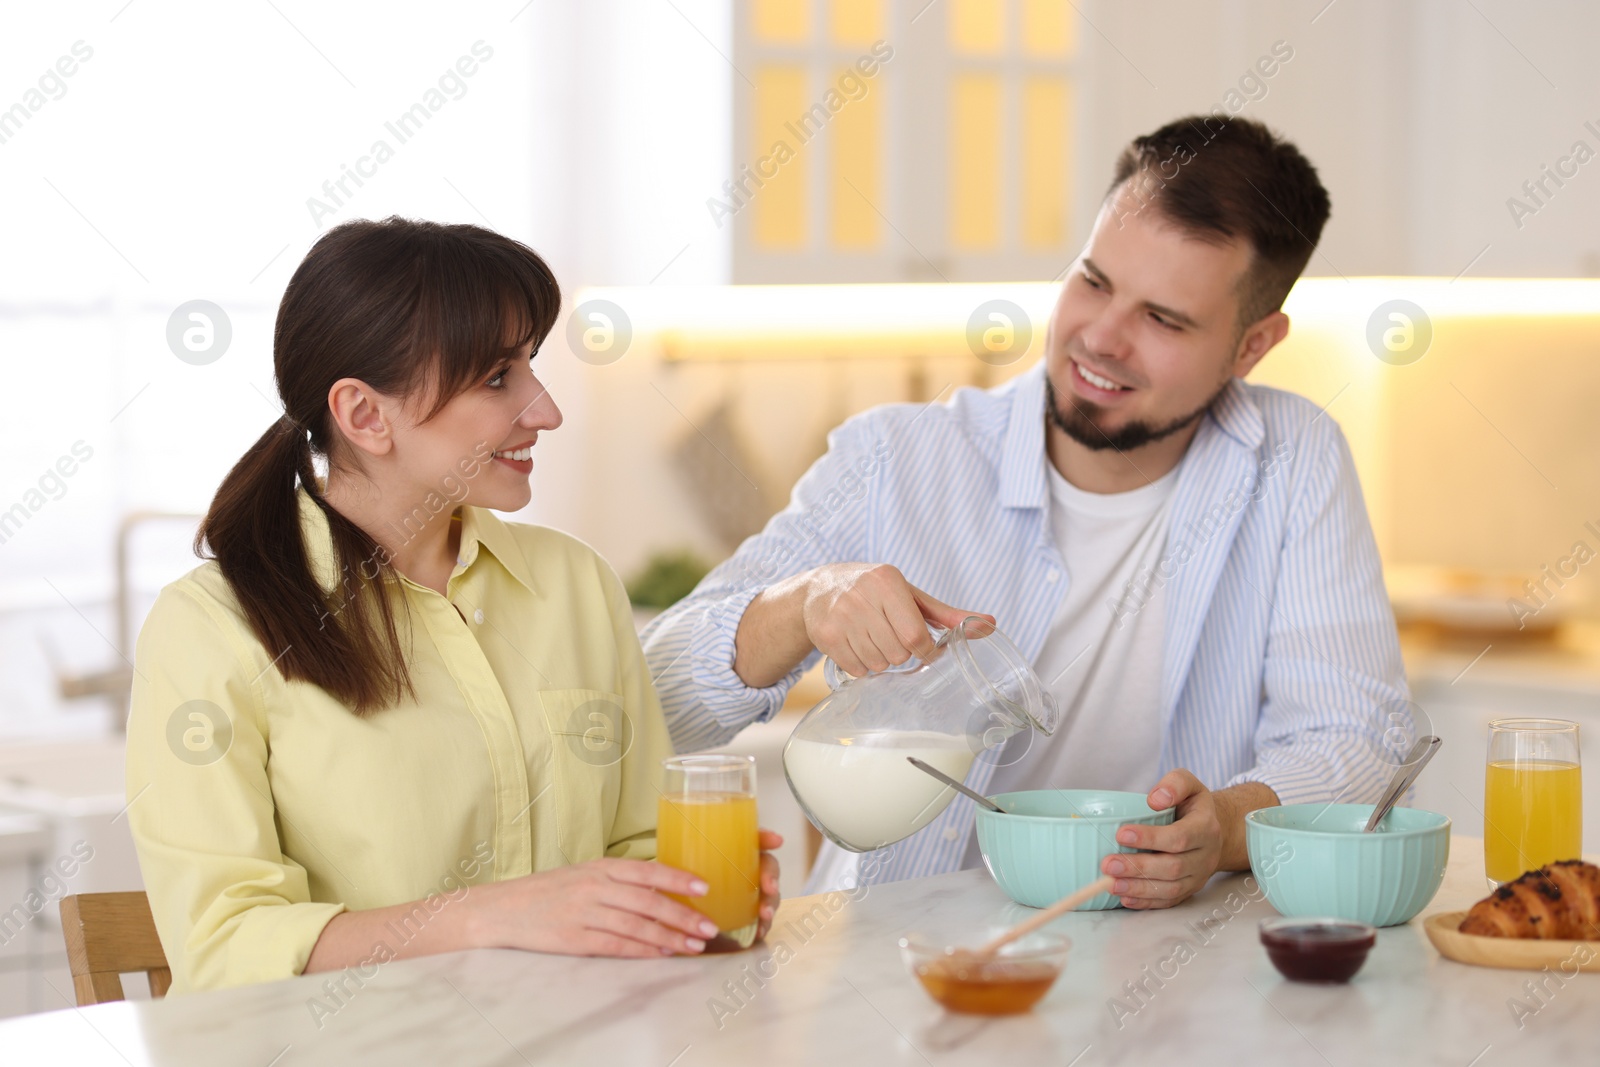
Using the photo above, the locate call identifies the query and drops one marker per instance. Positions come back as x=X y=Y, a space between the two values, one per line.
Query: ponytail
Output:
x=253 y=531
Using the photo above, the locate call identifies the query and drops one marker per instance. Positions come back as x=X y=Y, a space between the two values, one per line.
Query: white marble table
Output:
x=840 y=996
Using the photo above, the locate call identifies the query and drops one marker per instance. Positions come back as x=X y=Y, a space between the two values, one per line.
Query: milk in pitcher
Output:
x=863 y=790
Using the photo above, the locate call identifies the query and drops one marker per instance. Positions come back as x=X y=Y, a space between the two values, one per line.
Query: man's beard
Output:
x=1078 y=422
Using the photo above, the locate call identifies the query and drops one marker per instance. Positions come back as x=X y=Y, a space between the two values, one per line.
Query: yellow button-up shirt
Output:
x=262 y=808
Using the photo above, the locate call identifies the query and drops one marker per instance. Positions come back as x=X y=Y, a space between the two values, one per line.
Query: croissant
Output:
x=1560 y=901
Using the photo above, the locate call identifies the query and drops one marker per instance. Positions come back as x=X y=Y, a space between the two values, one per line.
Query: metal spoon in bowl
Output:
x=1404 y=775
x=953 y=784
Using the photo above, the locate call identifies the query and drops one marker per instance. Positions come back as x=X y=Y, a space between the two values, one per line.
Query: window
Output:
x=895 y=140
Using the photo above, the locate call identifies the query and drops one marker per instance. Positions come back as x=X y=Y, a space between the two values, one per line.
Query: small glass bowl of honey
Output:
x=1012 y=981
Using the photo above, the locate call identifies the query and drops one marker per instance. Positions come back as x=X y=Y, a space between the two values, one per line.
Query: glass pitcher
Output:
x=846 y=760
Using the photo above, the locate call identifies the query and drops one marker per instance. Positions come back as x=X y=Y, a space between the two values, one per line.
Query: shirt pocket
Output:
x=590 y=733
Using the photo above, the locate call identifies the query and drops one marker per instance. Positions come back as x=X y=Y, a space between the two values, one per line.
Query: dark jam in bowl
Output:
x=1317 y=950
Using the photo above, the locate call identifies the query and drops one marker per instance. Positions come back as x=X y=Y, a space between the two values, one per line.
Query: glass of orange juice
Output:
x=1532 y=798
x=707 y=825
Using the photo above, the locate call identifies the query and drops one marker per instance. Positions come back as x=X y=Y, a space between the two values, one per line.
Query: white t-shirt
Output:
x=1102 y=656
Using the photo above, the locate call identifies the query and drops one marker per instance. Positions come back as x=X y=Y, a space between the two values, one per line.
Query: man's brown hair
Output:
x=1220 y=179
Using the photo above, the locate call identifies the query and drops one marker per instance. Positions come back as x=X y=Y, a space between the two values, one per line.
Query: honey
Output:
x=987 y=987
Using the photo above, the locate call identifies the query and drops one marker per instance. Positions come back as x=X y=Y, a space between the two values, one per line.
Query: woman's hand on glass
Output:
x=770 y=841
x=605 y=907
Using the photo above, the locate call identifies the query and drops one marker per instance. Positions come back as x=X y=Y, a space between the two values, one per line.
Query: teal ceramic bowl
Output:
x=1051 y=841
x=1313 y=860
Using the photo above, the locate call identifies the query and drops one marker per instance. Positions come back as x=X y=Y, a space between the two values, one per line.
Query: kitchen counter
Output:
x=835 y=993
x=1566 y=661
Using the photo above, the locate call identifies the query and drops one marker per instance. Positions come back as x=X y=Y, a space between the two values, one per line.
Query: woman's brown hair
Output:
x=411 y=308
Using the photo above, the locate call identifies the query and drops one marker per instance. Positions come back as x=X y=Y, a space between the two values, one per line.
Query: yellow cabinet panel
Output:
x=856 y=22
x=1049 y=28
x=780 y=203
x=1046 y=140
x=781 y=21
x=975 y=163
x=858 y=148
x=977 y=27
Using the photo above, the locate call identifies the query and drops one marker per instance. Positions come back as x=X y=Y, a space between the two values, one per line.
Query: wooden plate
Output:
x=1514 y=953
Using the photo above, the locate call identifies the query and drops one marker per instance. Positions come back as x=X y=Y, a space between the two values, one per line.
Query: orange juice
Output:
x=714 y=835
x=1533 y=815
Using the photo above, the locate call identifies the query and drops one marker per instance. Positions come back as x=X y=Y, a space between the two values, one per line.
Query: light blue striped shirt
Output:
x=1281 y=662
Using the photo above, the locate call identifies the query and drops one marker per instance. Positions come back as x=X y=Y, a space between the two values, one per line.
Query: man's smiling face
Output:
x=1145 y=334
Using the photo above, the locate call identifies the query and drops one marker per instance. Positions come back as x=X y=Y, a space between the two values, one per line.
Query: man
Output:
x=1185 y=559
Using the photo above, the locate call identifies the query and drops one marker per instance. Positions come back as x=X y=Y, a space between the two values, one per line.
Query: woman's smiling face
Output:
x=467 y=451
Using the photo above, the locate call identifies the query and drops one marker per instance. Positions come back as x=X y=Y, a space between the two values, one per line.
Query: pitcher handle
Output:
x=834 y=674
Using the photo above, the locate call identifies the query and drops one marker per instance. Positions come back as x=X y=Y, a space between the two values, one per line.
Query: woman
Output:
x=382 y=722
